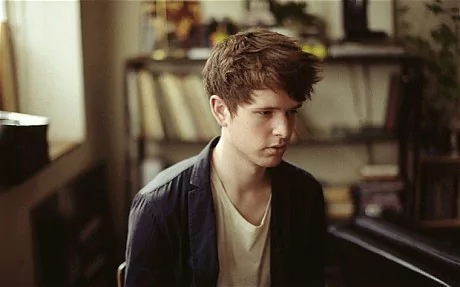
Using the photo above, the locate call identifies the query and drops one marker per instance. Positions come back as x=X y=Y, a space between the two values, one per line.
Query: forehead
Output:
x=269 y=98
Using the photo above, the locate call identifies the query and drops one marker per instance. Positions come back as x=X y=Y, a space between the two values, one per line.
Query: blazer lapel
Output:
x=202 y=223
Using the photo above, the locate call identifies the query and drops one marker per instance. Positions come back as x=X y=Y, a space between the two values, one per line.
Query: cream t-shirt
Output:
x=243 y=248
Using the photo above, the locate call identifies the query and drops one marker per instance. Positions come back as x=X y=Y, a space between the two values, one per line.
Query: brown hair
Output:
x=259 y=59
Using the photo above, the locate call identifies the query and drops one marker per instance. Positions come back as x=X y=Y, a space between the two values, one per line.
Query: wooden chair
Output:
x=121 y=274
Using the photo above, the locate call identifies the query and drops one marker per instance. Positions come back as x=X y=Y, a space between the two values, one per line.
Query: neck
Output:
x=238 y=174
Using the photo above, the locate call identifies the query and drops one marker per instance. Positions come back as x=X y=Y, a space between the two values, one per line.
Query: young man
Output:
x=237 y=214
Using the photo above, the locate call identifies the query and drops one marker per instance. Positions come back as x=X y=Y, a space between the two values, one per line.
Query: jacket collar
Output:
x=202 y=222
x=202 y=168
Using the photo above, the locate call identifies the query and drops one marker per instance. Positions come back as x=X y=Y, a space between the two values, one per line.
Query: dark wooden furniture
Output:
x=72 y=234
x=373 y=252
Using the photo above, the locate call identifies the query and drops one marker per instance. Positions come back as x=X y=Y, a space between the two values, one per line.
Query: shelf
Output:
x=371 y=58
x=439 y=159
x=194 y=63
x=440 y=223
x=60 y=148
x=352 y=139
x=356 y=139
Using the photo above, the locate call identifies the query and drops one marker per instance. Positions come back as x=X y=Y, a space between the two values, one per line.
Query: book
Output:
x=393 y=108
x=151 y=124
x=379 y=171
x=193 y=84
x=339 y=203
x=179 y=109
x=133 y=106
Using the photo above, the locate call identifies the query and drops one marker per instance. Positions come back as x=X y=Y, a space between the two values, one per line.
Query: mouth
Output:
x=278 y=148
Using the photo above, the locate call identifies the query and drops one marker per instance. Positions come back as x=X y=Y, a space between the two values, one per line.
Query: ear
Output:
x=219 y=110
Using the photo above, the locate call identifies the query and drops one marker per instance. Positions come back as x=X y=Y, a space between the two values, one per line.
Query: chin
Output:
x=270 y=162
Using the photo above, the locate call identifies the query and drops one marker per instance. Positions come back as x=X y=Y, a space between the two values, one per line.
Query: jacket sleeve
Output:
x=320 y=232
x=148 y=258
x=308 y=268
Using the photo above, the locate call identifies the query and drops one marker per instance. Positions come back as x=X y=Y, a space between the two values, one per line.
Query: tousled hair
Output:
x=259 y=59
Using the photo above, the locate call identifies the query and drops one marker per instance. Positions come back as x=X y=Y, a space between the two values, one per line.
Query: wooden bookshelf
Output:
x=342 y=58
x=441 y=223
x=312 y=141
x=439 y=159
x=169 y=144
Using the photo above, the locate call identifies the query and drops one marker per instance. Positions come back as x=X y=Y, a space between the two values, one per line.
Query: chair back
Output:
x=121 y=274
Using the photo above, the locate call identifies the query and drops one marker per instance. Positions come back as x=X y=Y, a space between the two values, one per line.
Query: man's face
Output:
x=260 y=131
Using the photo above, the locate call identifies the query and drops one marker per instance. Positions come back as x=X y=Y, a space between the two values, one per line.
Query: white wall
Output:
x=17 y=260
x=47 y=41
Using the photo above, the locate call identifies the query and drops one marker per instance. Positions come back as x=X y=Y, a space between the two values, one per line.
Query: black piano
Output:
x=373 y=252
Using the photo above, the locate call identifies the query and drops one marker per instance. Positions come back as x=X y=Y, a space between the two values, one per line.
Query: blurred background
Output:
x=97 y=97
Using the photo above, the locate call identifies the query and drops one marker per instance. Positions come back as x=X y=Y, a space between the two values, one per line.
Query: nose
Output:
x=283 y=126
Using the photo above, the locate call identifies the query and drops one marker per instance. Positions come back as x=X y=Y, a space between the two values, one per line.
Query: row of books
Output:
x=440 y=199
x=377 y=191
x=339 y=202
x=169 y=107
x=175 y=107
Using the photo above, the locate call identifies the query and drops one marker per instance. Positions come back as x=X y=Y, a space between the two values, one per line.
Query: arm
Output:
x=308 y=268
x=320 y=231
x=148 y=262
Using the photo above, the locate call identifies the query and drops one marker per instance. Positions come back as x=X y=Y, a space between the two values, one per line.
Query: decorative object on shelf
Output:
x=440 y=52
x=218 y=31
x=355 y=22
x=293 y=15
x=171 y=26
x=292 y=18
x=289 y=12
x=315 y=46
x=258 y=14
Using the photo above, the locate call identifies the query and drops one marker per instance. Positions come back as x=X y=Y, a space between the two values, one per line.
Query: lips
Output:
x=278 y=148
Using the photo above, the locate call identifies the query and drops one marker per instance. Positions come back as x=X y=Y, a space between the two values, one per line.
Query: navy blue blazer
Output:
x=172 y=238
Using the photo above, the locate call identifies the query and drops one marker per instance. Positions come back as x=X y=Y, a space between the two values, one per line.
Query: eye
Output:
x=265 y=113
x=293 y=112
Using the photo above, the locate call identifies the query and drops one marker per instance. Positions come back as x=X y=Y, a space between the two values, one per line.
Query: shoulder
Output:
x=177 y=172
x=298 y=176
x=166 y=190
x=305 y=194
x=303 y=186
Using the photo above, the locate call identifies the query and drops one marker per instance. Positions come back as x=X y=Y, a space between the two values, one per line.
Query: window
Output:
x=46 y=39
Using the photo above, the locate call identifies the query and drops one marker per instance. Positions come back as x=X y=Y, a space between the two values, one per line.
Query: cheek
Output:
x=250 y=123
x=293 y=121
x=260 y=126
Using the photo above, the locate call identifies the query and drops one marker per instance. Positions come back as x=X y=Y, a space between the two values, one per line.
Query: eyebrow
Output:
x=278 y=108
